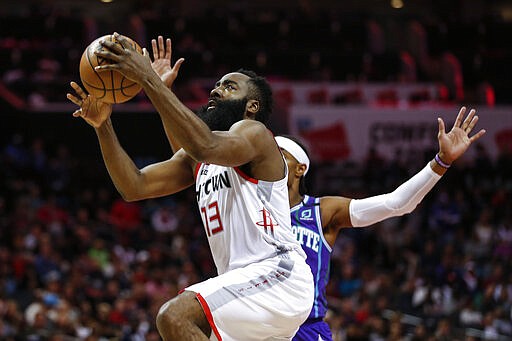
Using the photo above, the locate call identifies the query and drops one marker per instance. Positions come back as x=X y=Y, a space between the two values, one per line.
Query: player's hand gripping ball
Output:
x=107 y=86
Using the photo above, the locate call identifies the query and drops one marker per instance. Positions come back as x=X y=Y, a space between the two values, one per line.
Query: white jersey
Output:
x=246 y=220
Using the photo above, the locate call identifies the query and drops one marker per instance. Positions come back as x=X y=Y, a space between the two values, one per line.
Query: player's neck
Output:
x=295 y=198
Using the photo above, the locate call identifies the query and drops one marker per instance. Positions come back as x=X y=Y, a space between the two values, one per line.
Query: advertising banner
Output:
x=337 y=133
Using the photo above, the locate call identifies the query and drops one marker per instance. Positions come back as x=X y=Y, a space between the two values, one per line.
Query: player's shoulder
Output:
x=254 y=130
x=247 y=123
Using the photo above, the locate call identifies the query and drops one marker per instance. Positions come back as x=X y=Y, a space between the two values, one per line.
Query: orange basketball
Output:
x=108 y=86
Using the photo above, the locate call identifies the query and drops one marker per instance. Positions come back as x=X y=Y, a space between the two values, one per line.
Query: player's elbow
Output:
x=129 y=198
x=401 y=207
x=130 y=194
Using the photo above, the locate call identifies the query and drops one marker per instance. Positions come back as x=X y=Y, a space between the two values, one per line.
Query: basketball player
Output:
x=316 y=221
x=264 y=288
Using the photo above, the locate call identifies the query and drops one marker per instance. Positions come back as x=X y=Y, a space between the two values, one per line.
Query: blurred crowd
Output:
x=79 y=263
x=41 y=46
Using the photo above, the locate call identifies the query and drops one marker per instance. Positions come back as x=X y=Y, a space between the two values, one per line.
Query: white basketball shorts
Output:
x=267 y=300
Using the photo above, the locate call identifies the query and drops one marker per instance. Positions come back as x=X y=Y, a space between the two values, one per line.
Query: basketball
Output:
x=108 y=86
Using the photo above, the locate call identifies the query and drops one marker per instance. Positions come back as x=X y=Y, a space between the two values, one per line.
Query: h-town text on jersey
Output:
x=213 y=184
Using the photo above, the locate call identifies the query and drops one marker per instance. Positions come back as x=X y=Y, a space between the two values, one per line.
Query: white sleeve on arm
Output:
x=404 y=199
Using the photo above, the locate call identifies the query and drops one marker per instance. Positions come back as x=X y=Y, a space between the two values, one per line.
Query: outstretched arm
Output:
x=339 y=212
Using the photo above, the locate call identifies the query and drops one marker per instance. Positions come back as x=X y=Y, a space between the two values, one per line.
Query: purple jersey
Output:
x=313 y=330
x=307 y=226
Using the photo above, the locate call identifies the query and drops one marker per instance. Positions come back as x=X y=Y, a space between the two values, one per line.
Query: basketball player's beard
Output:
x=224 y=115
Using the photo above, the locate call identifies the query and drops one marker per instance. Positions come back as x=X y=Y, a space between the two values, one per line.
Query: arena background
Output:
x=362 y=83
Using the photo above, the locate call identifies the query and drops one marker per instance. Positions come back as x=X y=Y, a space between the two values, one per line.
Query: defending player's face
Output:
x=293 y=166
x=290 y=160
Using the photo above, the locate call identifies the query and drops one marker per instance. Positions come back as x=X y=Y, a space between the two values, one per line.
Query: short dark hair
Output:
x=262 y=92
x=303 y=189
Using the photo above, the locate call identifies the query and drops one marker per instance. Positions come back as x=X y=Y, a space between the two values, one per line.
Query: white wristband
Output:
x=404 y=199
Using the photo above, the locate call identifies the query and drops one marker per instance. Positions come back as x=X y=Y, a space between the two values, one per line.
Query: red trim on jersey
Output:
x=209 y=315
x=197 y=169
x=245 y=176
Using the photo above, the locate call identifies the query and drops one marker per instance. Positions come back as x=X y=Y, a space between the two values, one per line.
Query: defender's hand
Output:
x=161 y=64
x=455 y=143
